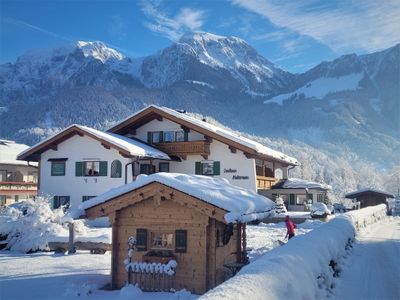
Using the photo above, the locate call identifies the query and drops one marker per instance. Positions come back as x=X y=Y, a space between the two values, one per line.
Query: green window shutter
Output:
x=56 y=202
x=180 y=240
x=103 y=168
x=217 y=168
x=149 y=137
x=292 y=200
x=141 y=239
x=161 y=136
x=198 y=168
x=186 y=136
x=78 y=168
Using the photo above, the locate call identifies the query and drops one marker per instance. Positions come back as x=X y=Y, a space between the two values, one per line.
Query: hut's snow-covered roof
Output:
x=241 y=205
x=368 y=190
x=129 y=146
x=228 y=134
x=296 y=183
x=9 y=151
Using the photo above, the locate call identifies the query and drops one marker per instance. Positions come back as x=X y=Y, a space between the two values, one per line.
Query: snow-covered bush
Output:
x=31 y=224
x=280 y=207
x=304 y=268
x=319 y=210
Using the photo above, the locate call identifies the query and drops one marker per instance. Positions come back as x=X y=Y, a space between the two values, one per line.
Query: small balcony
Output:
x=185 y=148
x=6 y=186
x=265 y=183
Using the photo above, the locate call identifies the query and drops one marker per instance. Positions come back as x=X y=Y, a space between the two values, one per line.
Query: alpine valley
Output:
x=341 y=119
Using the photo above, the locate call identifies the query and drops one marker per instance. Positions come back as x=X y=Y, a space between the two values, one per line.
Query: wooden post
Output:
x=114 y=252
x=244 y=244
x=71 y=246
x=238 y=242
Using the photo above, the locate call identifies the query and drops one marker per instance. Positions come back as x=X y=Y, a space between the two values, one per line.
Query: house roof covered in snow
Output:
x=364 y=191
x=240 y=205
x=250 y=147
x=126 y=146
x=296 y=183
x=9 y=151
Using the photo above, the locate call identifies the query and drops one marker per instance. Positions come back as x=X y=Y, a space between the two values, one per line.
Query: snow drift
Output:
x=302 y=269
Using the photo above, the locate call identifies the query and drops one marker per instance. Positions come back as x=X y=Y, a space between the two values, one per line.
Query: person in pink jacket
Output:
x=290 y=226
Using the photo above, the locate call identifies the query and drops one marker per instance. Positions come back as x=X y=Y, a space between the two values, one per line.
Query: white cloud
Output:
x=117 y=27
x=344 y=26
x=172 y=27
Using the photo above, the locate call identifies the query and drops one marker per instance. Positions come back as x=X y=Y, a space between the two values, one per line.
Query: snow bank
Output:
x=319 y=210
x=302 y=269
x=30 y=225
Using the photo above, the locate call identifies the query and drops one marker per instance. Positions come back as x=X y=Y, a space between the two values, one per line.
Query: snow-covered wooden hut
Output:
x=369 y=197
x=189 y=230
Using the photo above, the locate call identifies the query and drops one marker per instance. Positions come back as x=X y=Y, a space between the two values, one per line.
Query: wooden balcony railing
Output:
x=265 y=183
x=185 y=148
x=17 y=186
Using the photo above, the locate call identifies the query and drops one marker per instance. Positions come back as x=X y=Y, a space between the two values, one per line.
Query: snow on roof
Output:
x=297 y=183
x=364 y=190
x=134 y=147
x=259 y=148
x=241 y=204
x=9 y=151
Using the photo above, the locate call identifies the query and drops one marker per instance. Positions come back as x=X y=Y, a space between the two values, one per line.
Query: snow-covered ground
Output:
x=373 y=269
x=48 y=276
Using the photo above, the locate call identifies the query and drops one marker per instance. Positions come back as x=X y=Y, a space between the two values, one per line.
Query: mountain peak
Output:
x=98 y=50
x=206 y=37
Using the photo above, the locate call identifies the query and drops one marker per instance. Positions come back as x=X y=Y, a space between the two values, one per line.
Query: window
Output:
x=141 y=239
x=2 y=200
x=116 y=169
x=58 y=168
x=162 y=240
x=279 y=173
x=60 y=201
x=208 y=168
x=147 y=169
x=85 y=198
x=320 y=198
x=91 y=168
x=303 y=199
x=180 y=136
x=163 y=167
x=292 y=199
x=181 y=240
x=3 y=175
x=169 y=136
x=16 y=198
x=156 y=137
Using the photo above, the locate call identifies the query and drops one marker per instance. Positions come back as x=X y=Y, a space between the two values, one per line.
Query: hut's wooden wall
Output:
x=165 y=216
x=371 y=200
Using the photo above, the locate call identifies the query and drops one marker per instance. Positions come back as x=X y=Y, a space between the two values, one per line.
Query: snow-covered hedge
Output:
x=304 y=268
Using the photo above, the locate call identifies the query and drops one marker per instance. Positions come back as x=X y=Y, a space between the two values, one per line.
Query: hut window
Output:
x=58 y=167
x=147 y=169
x=162 y=240
x=141 y=239
x=116 y=169
x=208 y=168
x=60 y=201
x=163 y=167
x=180 y=240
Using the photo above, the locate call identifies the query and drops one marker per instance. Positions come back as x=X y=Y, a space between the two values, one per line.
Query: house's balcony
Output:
x=265 y=183
x=185 y=148
x=7 y=187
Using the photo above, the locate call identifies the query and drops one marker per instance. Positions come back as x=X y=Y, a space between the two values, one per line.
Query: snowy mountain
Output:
x=349 y=105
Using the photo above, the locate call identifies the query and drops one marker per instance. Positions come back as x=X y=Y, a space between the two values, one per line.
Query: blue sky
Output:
x=295 y=35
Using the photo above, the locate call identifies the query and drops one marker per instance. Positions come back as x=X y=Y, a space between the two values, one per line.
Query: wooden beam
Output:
x=80 y=133
x=205 y=156
x=208 y=139
x=125 y=155
x=233 y=149
x=105 y=146
x=159 y=118
x=131 y=131
x=183 y=156
x=186 y=129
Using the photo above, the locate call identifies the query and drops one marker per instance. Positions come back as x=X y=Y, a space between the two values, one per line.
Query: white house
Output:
x=298 y=194
x=18 y=179
x=155 y=139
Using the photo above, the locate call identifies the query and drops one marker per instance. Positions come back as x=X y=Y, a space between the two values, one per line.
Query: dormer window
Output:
x=169 y=136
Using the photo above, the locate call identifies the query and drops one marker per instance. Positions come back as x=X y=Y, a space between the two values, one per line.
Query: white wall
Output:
x=79 y=149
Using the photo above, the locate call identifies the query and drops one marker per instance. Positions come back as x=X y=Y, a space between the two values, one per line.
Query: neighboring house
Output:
x=175 y=142
x=298 y=194
x=18 y=179
x=198 y=222
x=80 y=163
x=369 y=197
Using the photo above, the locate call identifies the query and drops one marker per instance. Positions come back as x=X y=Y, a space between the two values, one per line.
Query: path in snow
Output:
x=373 y=269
